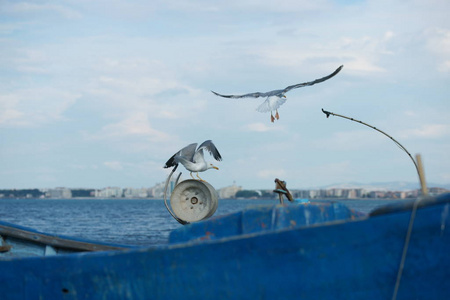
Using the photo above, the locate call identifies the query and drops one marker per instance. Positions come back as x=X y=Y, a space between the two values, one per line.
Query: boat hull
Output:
x=344 y=259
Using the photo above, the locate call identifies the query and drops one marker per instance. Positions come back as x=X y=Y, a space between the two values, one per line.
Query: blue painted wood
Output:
x=301 y=200
x=350 y=258
x=20 y=241
x=263 y=218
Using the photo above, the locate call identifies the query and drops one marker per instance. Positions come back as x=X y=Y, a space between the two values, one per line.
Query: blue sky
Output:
x=102 y=93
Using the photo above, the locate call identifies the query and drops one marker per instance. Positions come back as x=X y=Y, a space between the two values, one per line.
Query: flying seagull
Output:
x=192 y=158
x=275 y=98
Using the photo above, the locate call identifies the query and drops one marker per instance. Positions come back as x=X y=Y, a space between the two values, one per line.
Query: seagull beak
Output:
x=216 y=168
x=284 y=96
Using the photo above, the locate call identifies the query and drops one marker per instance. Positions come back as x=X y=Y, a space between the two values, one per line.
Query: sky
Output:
x=101 y=93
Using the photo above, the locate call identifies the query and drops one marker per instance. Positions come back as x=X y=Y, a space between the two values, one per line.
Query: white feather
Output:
x=271 y=104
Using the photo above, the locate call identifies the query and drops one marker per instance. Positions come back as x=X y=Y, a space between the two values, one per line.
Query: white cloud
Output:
x=260 y=127
x=350 y=140
x=356 y=53
x=126 y=85
x=8 y=28
x=113 y=165
x=438 y=42
x=339 y=171
x=410 y=113
x=34 y=107
x=131 y=126
x=33 y=8
x=428 y=131
x=288 y=6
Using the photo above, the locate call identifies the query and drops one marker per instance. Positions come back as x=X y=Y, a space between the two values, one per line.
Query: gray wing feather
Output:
x=187 y=153
x=279 y=92
x=208 y=145
x=313 y=82
x=250 y=95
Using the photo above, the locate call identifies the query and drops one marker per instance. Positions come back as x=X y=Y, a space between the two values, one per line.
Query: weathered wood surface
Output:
x=357 y=258
x=15 y=239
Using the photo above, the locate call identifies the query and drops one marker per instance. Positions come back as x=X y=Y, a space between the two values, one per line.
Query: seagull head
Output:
x=211 y=166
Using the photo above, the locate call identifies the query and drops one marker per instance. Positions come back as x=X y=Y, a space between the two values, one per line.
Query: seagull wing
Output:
x=208 y=145
x=312 y=82
x=187 y=153
x=250 y=95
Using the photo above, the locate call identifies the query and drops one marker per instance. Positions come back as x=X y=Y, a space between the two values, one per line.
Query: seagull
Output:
x=276 y=98
x=192 y=158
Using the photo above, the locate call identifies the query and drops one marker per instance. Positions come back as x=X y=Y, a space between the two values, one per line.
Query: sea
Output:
x=140 y=222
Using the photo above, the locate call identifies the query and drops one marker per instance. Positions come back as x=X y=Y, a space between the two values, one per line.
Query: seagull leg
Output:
x=192 y=176
x=277 y=115
x=271 y=117
x=199 y=177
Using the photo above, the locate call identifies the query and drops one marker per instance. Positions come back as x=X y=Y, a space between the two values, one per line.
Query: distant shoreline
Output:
x=234 y=199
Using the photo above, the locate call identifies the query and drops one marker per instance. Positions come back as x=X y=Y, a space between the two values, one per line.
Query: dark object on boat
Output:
x=281 y=189
x=307 y=251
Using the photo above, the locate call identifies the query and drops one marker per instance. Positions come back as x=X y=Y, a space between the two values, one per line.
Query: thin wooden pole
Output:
x=328 y=113
x=423 y=184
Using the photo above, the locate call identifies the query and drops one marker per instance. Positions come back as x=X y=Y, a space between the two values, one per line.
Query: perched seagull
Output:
x=192 y=158
x=276 y=98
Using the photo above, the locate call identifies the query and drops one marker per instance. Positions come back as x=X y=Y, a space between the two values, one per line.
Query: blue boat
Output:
x=291 y=251
x=301 y=200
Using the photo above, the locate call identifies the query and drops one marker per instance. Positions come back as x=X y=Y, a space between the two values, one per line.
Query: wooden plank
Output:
x=54 y=241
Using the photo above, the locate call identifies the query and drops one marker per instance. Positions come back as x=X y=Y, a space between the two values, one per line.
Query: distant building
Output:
x=135 y=193
x=59 y=192
x=229 y=191
x=157 y=191
x=437 y=191
x=109 y=192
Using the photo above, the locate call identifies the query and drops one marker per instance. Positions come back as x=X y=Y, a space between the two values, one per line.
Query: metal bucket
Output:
x=194 y=200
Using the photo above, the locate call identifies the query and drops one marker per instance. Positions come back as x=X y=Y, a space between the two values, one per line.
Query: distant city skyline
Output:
x=392 y=186
x=159 y=192
x=96 y=93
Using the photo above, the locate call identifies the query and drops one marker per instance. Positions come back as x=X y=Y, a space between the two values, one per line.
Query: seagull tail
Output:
x=271 y=105
x=264 y=107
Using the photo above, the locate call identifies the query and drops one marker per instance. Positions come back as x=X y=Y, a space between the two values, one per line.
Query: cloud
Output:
x=113 y=165
x=136 y=78
x=350 y=140
x=129 y=84
x=246 y=6
x=34 y=107
x=438 y=42
x=132 y=126
x=361 y=54
x=428 y=131
x=44 y=8
x=327 y=172
x=260 y=127
x=8 y=28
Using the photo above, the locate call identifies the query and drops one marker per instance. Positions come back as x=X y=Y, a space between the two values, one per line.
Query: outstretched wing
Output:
x=250 y=95
x=208 y=145
x=187 y=153
x=312 y=82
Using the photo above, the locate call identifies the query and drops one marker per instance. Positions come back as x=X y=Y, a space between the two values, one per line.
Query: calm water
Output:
x=132 y=222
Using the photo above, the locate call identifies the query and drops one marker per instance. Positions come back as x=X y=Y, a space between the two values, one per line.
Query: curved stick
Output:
x=165 y=196
x=328 y=113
